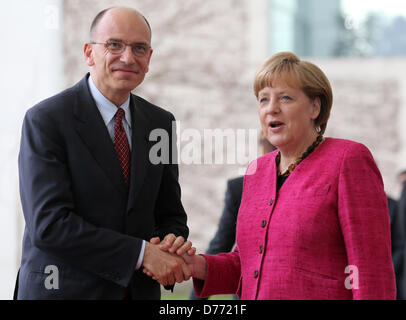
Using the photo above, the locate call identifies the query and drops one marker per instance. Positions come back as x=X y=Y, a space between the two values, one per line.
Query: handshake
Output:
x=172 y=260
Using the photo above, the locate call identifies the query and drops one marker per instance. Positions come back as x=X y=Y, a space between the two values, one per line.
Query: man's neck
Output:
x=117 y=98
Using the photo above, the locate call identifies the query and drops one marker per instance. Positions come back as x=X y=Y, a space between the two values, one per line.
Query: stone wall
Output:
x=202 y=69
x=369 y=107
x=205 y=56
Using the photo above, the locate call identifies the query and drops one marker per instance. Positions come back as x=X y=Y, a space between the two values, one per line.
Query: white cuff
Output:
x=141 y=256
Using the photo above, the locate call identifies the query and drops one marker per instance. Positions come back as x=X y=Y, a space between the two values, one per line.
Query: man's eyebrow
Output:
x=134 y=43
x=113 y=39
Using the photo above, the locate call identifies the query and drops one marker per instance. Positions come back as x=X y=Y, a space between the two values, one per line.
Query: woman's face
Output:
x=287 y=116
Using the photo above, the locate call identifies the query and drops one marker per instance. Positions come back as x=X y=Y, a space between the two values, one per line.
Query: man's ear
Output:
x=88 y=52
x=316 y=108
x=149 y=60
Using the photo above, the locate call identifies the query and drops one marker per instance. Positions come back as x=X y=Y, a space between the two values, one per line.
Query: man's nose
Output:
x=127 y=56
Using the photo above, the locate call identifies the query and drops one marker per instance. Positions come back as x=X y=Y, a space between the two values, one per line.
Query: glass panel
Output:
x=321 y=28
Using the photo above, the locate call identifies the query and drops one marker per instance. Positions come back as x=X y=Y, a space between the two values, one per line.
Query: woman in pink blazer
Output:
x=313 y=221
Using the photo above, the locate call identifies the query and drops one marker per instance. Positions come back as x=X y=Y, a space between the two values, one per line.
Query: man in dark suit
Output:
x=397 y=211
x=397 y=241
x=91 y=196
x=224 y=239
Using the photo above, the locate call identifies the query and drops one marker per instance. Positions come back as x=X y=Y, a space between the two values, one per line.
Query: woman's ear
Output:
x=316 y=108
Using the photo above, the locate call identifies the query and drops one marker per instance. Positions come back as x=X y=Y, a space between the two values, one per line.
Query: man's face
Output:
x=116 y=75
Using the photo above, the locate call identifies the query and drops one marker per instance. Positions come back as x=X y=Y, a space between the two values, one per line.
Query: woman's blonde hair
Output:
x=298 y=74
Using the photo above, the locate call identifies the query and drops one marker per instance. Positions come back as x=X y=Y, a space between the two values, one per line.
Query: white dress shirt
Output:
x=108 y=110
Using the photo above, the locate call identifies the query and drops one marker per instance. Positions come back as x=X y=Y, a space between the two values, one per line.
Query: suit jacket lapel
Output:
x=140 y=148
x=92 y=129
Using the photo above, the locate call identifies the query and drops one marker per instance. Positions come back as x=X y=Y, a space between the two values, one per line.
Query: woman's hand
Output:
x=177 y=245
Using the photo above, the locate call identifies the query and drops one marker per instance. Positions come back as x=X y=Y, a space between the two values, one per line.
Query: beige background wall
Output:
x=204 y=61
x=206 y=54
x=201 y=70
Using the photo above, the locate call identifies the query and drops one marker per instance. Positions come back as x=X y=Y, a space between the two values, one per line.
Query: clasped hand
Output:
x=169 y=261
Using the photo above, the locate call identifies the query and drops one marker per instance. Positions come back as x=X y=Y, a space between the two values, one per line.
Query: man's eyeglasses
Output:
x=118 y=47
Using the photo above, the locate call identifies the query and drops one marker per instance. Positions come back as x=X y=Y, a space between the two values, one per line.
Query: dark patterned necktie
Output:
x=121 y=145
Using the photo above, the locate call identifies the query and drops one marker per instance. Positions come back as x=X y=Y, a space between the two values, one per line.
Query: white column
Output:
x=258 y=35
x=31 y=59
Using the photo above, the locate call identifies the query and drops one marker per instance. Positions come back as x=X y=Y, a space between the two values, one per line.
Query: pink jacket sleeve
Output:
x=364 y=220
x=222 y=275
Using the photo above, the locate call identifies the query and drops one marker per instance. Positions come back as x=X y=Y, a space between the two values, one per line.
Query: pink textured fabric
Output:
x=296 y=244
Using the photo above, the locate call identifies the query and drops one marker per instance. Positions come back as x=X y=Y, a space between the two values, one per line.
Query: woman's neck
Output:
x=290 y=155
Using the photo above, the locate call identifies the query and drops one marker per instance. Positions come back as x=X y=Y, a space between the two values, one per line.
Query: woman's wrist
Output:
x=199 y=267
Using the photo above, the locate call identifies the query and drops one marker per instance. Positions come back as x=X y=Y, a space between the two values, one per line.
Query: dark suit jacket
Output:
x=224 y=238
x=79 y=215
x=397 y=241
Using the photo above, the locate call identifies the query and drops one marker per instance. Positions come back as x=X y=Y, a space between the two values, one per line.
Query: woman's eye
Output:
x=263 y=100
x=286 y=98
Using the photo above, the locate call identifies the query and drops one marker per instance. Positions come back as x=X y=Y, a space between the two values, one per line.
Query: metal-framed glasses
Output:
x=118 y=47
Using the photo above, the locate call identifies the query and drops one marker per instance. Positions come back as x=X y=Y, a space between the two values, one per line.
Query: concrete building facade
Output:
x=205 y=57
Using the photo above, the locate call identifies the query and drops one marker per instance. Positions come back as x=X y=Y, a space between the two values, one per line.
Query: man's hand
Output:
x=184 y=249
x=165 y=267
x=178 y=245
x=174 y=244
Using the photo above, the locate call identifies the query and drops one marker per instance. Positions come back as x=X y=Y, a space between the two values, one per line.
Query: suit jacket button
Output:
x=271 y=202
x=256 y=273
x=261 y=249
x=263 y=224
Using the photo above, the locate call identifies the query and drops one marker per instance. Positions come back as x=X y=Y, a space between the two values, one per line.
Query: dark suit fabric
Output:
x=79 y=214
x=397 y=242
x=224 y=238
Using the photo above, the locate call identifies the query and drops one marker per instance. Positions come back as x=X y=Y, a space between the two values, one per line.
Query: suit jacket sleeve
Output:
x=223 y=275
x=364 y=219
x=224 y=238
x=49 y=208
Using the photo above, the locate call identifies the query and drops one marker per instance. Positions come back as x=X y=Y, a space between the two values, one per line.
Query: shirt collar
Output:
x=107 y=108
